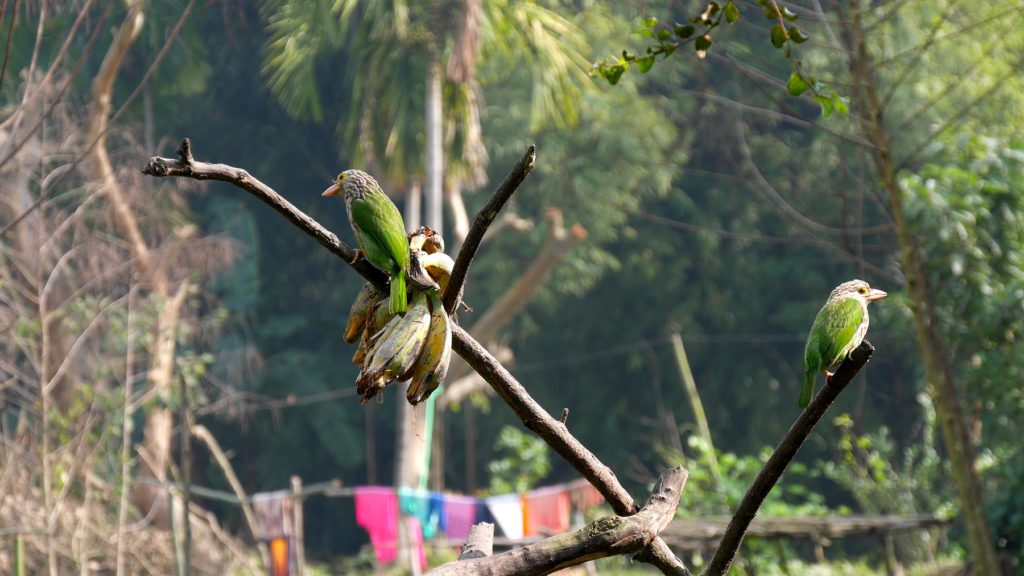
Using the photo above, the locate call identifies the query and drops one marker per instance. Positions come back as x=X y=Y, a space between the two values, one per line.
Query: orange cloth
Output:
x=279 y=557
x=545 y=511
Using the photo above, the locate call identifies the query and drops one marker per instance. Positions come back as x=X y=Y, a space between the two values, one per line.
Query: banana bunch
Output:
x=414 y=348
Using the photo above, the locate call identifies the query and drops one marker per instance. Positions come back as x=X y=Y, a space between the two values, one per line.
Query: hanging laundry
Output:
x=582 y=495
x=274 y=526
x=424 y=506
x=279 y=557
x=377 y=513
x=459 y=515
x=545 y=511
x=417 y=539
x=507 y=510
x=273 y=512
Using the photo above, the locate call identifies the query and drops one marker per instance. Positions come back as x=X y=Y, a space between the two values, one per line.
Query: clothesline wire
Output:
x=329 y=489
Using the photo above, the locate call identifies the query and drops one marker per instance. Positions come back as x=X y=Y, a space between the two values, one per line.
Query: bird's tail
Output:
x=808 y=388
x=397 y=301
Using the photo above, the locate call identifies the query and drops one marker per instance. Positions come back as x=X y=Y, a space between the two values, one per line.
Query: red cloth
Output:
x=416 y=529
x=459 y=515
x=583 y=495
x=377 y=512
x=545 y=511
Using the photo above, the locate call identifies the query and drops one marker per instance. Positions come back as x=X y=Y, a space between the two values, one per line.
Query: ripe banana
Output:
x=361 y=309
x=396 y=349
x=439 y=266
x=432 y=364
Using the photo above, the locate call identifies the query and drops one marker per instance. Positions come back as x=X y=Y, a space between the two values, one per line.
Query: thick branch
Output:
x=608 y=536
x=781 y=457
x=483 y=221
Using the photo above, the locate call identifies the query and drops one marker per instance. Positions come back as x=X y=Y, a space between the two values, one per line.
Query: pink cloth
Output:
x=459 y=514
x=546 y=511
x=377 y=513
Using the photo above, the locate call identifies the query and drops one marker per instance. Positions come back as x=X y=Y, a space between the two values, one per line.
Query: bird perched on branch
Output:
x=838 y=330
x=379 y=229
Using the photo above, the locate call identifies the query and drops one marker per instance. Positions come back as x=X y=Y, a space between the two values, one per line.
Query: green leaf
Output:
x=841 y=106
x=613 y=73
x=702 y=43
x=683 y=31
x=649 y=23
x=731 y=13
x=664 y=34
x=827 y=105
x=644 y=32
x=797 y=35
x=644 y=64
x=668 y=49
x=770 y=12
x=789 y=14
x=797 y=85
x=778 y=36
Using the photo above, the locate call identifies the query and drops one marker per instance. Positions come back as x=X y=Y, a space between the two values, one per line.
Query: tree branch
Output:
x=483 y=220
x=533 y=416
x=781 y=457
x=609 y=536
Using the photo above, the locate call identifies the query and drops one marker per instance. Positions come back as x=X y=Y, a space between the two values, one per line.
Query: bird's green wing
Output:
x=380 y=224
x=836 y=327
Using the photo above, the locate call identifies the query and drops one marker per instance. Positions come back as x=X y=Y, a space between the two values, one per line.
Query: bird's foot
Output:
x=359 y=254
x=828 y=375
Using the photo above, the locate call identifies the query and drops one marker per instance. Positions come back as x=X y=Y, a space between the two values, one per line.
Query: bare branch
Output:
x=781 y=457
x=483 y=221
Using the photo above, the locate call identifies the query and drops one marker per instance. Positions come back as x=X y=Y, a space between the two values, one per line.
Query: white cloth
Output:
x=507 y=510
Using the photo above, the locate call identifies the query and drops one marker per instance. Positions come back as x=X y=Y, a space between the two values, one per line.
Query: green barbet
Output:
x=838 y=330
x=379 y=229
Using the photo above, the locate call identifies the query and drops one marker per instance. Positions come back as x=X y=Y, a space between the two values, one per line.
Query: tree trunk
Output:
x=934 y=356
x=410 y=469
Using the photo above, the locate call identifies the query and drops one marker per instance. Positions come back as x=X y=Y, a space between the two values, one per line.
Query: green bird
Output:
x=838 y=330
x=379 y=229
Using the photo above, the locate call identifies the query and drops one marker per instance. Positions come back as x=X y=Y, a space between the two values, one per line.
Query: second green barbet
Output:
x=379 y=229
x=838 y=330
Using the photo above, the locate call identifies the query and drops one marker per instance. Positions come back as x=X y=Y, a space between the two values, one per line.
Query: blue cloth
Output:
x=424 y=506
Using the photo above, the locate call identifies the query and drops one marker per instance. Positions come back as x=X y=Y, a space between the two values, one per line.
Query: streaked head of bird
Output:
x=352 y=185
x=858 y=289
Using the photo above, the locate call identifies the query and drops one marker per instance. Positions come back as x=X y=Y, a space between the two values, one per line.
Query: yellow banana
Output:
x=439 y=266
x=361 y=309
x=432 y=364
x=396 y=349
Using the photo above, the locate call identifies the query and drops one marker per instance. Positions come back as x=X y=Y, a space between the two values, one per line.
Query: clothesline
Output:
x=544 y=510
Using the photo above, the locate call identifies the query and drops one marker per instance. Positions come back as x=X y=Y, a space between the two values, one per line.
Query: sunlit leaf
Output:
x=731 y=13
x=797 y=35
x=797 y=85
x=644 y=64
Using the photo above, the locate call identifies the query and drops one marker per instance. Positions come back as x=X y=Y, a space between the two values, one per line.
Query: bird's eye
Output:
x=862 y=290
x=341 y=177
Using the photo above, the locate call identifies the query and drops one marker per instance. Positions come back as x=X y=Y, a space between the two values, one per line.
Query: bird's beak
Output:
x=874 y=294
x=335 y=189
